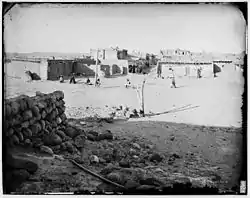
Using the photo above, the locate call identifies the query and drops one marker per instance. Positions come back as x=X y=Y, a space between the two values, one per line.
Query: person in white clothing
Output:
x=172 y=77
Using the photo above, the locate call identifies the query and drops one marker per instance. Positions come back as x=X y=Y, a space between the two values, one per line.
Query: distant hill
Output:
x=45 y=55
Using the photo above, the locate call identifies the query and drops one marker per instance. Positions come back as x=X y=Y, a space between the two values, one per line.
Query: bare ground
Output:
x=206 y=144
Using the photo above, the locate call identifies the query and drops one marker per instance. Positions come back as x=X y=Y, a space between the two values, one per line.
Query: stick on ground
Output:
x=96 y=175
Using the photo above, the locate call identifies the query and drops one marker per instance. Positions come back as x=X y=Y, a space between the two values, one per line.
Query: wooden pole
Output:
x=97 y=53
x=140 y=96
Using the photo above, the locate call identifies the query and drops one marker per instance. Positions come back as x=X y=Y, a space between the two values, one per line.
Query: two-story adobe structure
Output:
x=112 y=59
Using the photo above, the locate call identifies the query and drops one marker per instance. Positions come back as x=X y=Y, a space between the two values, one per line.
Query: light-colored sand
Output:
x=203 y=151
x=219 y=100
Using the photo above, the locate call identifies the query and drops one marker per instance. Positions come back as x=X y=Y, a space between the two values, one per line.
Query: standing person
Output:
x=199 y=72
x=134 y=67
x=88 y=81
x=214 y=70
x=158 y=70
x=72 y=79
x=172 y=77
x=98 y=82
x=214 y=73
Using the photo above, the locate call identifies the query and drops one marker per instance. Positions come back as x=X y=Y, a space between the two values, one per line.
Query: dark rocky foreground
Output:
x=133 y=161
x=143 y=157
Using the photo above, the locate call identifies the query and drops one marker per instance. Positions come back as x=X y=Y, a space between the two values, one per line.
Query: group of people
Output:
x=73 y=80
x=128 y=83
x=172 y=76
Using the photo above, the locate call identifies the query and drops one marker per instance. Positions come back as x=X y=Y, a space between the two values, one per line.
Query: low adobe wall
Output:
x=37 y=120
x=190 y=70
x=17 y=68
x=66 y=67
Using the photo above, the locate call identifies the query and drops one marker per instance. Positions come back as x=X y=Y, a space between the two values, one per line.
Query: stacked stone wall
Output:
x=27 y=119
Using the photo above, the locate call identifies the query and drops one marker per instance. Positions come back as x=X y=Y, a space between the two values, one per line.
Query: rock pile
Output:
x=29 y=118
x=40 y=122
x=125 y=112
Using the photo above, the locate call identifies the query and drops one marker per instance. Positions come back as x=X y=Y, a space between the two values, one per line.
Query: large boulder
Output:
x=20 y=136
x=58 y=120
x=38 y=93
x=43 y=124
x=124 y=163
x=59 y=95
x=44 y=114
x=61 y=103
x=72 y=132
x=23 y=104
x=27 y=115
x=156 y=157
x=91 y=137
x=29 y=102
x=131 y=184
x=35 y=128
x=35 y=111
x=18 y=162
x=52 y=139
x=50 y=117
x=69 y=147
x=117 y=177
x=63 y=117
x=15 y=140
x=106 y=135
x=61 y=134
x=49 y=109
x=41 y=105
x=15 y=107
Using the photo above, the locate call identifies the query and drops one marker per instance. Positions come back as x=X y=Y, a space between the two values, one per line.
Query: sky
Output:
x=145 y=27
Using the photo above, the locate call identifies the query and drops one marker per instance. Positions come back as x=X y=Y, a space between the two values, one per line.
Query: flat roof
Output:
x=183 y=63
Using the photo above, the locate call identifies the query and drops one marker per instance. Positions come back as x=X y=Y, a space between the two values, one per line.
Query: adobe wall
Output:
x=59 y=67
x=66 y=67
x=35 y=121
x=187 y=70
x=83 y=68
x=101 y=70
x=86 y=67
x=17 y=68
x=117 y=66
